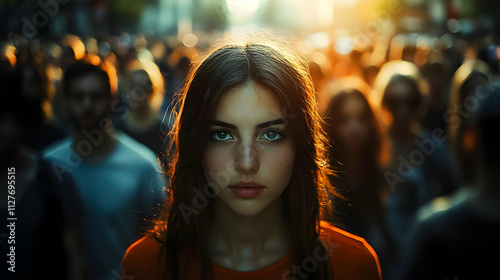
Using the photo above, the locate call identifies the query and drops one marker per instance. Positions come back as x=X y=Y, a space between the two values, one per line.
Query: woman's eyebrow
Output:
x=223 y=124
x=269 y=123
x=259 y=126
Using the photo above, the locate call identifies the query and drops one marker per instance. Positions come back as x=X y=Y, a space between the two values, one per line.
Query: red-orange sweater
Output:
x=352 y=258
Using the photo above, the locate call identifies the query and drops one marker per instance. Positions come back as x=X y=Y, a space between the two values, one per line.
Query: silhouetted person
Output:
x=117 y=177
x=35 y=89
x=420 y=168
x=438 y=76
x=462 y=242
x=466 y=80
x=42 y=213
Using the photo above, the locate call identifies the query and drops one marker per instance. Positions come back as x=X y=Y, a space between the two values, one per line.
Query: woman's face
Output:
x=139 y=89
x=402 y=103
x=353 y=124
x=250 y=156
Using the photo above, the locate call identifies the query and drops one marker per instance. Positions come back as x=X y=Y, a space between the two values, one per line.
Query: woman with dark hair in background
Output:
x=144 y=97
x=248 y=179
x=358 y=151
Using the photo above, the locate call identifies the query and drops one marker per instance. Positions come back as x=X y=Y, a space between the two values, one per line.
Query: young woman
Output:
x=248 y=179
x=359 y=152
x=144 y=98
x=356 y=147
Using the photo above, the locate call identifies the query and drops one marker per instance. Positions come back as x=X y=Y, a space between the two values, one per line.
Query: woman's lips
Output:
x=247 y=189
x=247 y=192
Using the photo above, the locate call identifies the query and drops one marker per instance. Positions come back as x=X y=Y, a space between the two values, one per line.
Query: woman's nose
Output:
x=246 y=159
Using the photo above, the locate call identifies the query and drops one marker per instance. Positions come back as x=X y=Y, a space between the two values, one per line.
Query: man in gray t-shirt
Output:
x=117 y=177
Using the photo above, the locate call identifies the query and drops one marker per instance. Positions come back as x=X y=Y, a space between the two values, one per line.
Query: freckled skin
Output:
x=252 y=155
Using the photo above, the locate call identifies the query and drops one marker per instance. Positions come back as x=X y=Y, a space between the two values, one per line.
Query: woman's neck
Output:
x=248 y=243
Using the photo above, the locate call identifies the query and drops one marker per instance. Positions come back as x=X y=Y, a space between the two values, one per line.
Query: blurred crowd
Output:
x=411 y=122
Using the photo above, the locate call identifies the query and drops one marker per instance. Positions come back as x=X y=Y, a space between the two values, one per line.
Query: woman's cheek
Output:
x=217 y=159
x=279 y=164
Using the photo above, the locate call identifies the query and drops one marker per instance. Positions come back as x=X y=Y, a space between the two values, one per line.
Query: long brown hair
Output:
x=182 y=225
x=375 y=151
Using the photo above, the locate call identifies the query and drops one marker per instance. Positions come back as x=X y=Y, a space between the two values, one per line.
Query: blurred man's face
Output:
x=89 y=101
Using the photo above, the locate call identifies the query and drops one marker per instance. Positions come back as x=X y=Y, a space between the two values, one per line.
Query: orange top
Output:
x=351 y=258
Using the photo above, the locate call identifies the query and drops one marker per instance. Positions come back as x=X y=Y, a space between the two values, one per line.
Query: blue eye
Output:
x=221 y=136
x=272 y=136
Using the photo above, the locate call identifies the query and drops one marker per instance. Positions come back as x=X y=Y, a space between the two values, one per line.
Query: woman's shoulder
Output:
x=351 y=256
x=338 y=239
x=143 y=259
